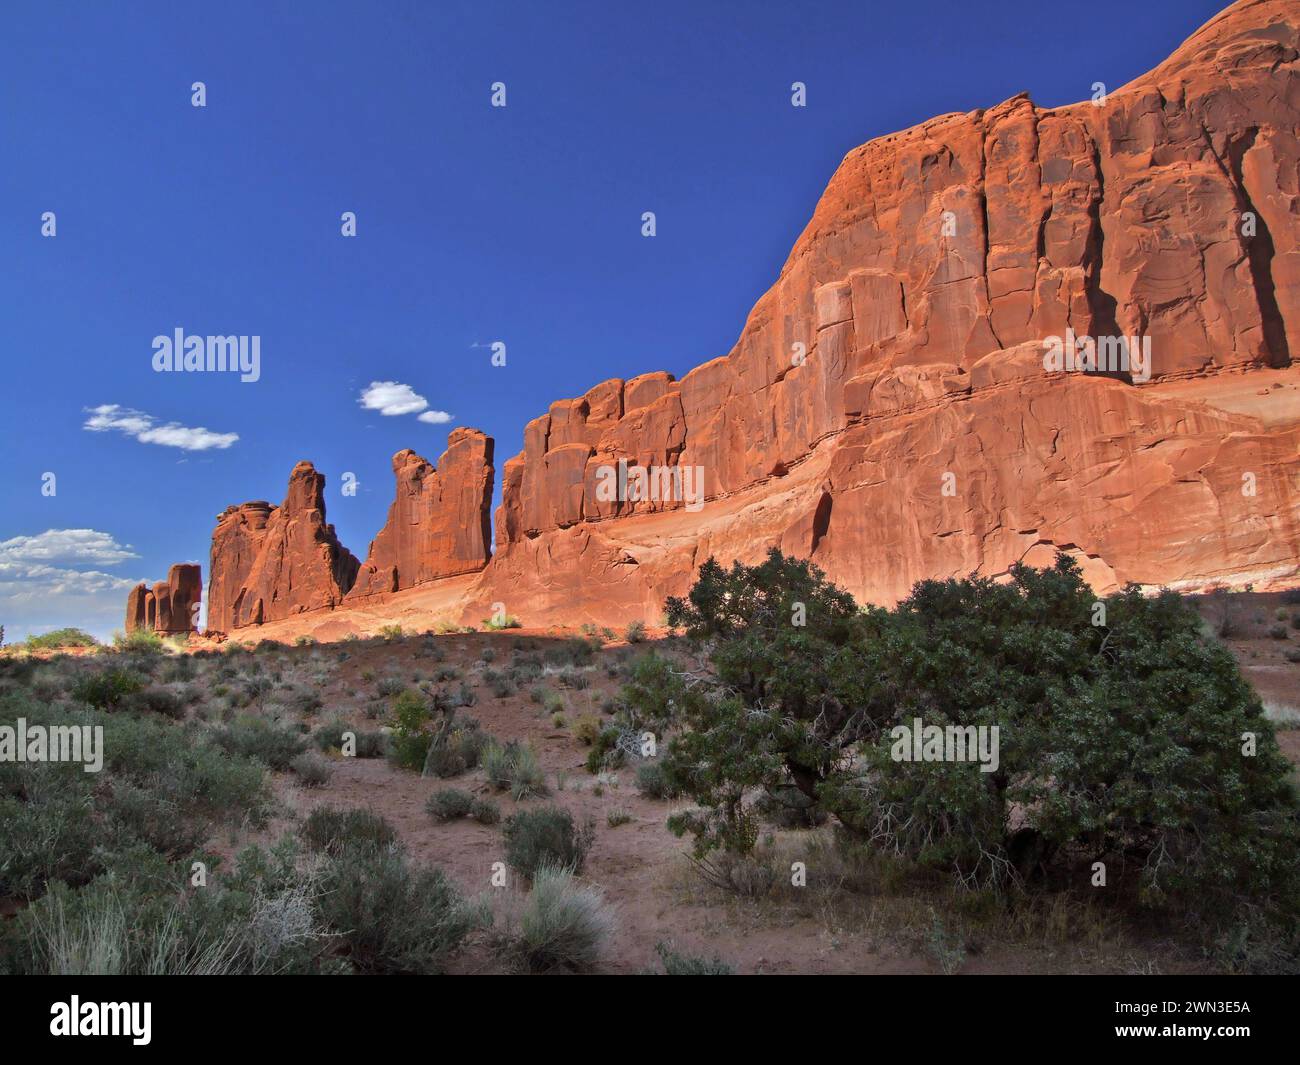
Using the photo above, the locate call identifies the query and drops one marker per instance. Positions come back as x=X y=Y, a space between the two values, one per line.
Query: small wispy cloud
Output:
x=146 y=429
x=392 y=398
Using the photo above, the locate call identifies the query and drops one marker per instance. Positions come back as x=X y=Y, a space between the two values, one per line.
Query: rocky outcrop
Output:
x=269 y=563
x=439 y=524
x=892 y=408
x=168 y=607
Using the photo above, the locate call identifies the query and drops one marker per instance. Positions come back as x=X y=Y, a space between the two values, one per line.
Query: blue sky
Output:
x=474 y=225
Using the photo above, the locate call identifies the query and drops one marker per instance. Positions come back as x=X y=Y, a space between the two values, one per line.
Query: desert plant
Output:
x=677 y=964
x=332 y=830
x=311 y=769
x=449 y=804
x=547 y=835
x=58 y=638
x=513 y=767
x=564 y=926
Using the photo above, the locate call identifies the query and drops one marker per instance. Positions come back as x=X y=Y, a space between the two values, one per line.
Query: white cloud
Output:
x=435 y=417
x=145 y=428
x=88 y=546
x=41 y=590
x=392 y=397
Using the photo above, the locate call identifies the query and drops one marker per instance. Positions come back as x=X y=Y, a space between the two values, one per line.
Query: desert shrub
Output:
x=570 y=677
x=390 y=632
x=156 y=700
x=303 y=641
x=105 y=689
x=586 y=729
x=411 y=733
x=253 y=737
x=329 y=737
x=635 y=632
x=449 y=804
x=615 y=818
x=1123 y=740
x=312 y=770
x=446 y=673
x=301 y=699
x=677 y=964
x=503 y=621
x=1292 y=654
x=513 y=767
x=1278 y=632
x=553 y=702
x=485 y=812
x=537 y=693
x=390 y=917
x=390 y=686
x=141 y=641
x=547 y=835
x=606 y=754
x=59 y=638
x=653 y=781
x=564 y=926
x=332 y=830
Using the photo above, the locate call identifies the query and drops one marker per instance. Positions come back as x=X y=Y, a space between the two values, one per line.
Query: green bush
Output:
x=253 y=737
x=411 y=734
x=333 y=830
x=1120 y=742
x=635 y=632
x=141 y=641
x=485 y=812
x=59 y=638
x=450 y=804
x=389 y=917
x=156 y=700
x=654 y=782
x=106 y=688
x=505 y=621
x=547 y=835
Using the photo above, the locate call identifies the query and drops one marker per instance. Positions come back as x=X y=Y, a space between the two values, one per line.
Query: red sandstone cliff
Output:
x=886 y=409
x=438 y=524
x=169 y=606
x=269 y=563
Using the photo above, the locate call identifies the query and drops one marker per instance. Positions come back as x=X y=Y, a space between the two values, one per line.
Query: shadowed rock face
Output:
x=439 y=523
x=169 y=606
x=886 y=410
x=268 y=563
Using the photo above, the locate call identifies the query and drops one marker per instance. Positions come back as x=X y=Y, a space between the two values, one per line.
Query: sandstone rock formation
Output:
x=169 y=606
x=439 y=524
x=269 y=563
x=886 y=410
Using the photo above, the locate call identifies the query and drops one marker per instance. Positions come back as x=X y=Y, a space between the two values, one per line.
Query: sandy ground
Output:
x=640 y=866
